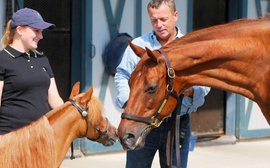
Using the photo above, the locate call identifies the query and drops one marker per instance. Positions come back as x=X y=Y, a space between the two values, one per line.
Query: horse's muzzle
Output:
x=110 y=137
x=131 y=140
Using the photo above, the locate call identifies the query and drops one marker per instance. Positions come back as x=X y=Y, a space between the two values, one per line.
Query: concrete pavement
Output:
x=224 y=153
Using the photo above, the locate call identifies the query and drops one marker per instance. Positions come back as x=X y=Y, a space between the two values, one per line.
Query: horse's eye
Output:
x=151 y=89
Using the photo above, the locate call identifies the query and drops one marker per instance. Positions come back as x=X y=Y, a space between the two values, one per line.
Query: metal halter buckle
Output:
x=84 y=113
x=171 y=73
x=156 y=122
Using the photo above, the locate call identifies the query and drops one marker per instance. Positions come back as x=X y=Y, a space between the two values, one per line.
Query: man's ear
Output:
x=136 y=49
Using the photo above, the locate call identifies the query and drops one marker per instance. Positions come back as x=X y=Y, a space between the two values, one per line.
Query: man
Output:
x=163 y=16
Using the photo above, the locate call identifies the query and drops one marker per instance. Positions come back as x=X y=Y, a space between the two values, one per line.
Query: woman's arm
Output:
x=54 y=98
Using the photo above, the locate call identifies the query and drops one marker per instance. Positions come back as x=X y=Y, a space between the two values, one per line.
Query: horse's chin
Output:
x=109 y=141
x=140 y=141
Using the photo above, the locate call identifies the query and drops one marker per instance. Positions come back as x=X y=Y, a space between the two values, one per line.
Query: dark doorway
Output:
x=209 y=120
x=56 y=43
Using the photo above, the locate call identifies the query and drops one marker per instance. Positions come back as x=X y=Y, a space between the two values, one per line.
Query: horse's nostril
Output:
x=129 y=138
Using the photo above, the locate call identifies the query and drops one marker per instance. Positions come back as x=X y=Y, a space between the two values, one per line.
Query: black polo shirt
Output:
x=25 y=93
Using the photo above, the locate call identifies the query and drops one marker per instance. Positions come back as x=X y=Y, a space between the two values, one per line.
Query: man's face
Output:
x=163 y=21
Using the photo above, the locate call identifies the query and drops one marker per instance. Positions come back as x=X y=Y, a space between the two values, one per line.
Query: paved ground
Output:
x=222 y=153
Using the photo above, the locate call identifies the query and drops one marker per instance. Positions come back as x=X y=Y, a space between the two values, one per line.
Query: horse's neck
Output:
x=228 y=64
x=66 y=124
x=29 y=146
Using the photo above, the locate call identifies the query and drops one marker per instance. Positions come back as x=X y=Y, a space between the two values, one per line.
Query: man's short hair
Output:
x=156 y=4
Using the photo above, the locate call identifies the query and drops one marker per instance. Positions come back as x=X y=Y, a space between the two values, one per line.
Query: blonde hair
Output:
x=8 y=36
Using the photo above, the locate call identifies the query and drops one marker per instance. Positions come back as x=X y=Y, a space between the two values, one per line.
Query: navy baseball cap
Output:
x=29 y=17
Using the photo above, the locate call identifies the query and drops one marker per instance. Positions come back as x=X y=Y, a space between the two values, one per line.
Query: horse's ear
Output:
x=152 y=54
x=87 y=96
x=136 y=49
x=75 y=90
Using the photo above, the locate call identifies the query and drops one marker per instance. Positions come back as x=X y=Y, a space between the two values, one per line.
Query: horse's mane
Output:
x=95 y=107
x=30 y=146
x=227 y=30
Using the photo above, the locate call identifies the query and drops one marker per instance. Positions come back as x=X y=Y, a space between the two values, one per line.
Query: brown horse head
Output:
x=98 y=128
x=148 y=88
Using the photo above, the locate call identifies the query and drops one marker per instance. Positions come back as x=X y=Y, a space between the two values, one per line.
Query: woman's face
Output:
x=30 y=37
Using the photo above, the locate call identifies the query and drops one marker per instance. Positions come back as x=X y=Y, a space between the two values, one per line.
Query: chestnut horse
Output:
x=234 y=57
x=45 y=142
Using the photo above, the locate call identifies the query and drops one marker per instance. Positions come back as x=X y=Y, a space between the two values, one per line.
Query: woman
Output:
x=27 y=85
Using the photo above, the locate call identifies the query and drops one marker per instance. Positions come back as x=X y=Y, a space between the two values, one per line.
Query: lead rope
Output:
x=173 y=138
x=72 y=152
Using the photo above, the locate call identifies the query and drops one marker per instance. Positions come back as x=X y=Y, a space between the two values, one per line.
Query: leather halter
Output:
x=84 y=114
x=82 y=111
x=154 y=121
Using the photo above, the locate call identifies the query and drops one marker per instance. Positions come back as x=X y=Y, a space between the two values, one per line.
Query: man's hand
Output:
x=188 y=92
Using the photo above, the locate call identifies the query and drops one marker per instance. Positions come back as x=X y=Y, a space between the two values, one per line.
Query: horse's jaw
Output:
x=134 y=139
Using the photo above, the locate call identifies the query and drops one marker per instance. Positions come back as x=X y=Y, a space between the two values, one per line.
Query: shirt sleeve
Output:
x=122 y=75
x=192 y=104
x=48 y=67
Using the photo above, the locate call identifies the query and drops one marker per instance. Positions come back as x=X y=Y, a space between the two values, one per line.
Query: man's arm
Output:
x=122 y=75
x=197 y=100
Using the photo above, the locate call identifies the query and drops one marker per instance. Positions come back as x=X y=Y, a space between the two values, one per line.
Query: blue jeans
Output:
x=156 y=140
